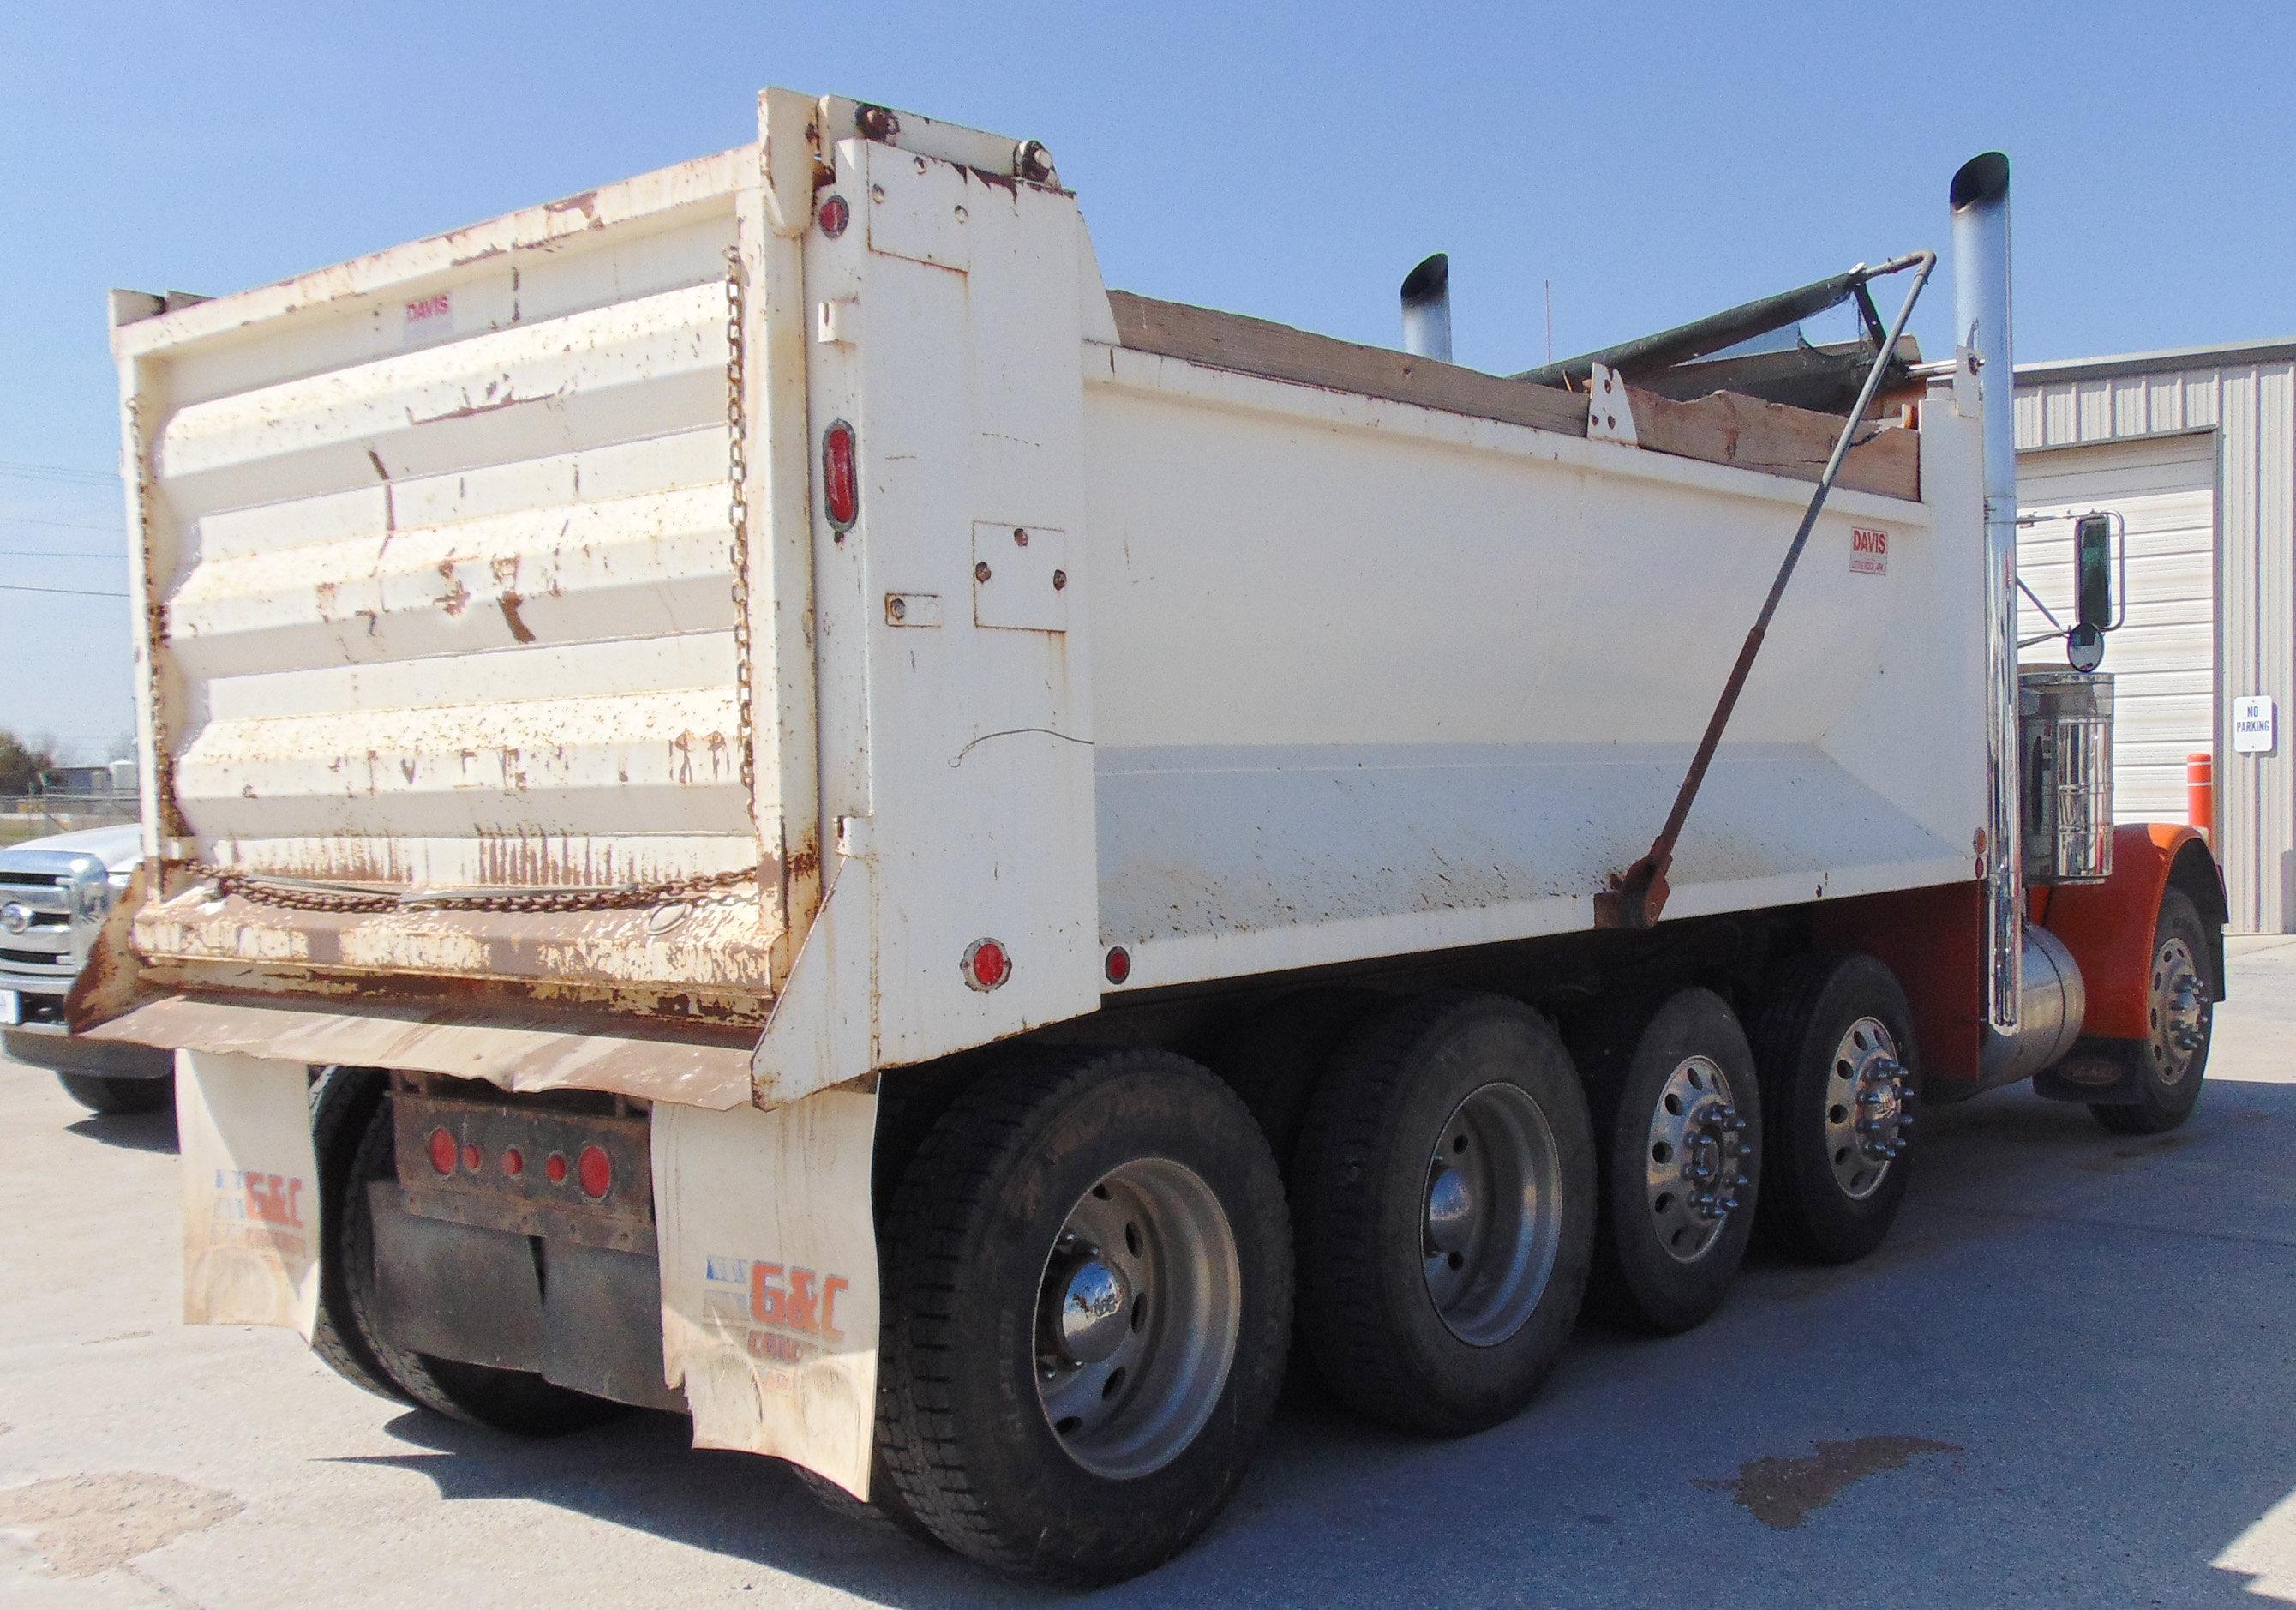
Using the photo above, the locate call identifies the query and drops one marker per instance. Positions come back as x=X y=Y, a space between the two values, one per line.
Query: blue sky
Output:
x=1652 y=163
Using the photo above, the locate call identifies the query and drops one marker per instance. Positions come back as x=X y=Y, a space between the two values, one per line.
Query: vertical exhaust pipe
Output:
x=1979 y=197
x=1427 y=310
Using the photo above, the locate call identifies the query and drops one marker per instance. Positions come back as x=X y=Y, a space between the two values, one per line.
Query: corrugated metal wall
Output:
x=2247 y=398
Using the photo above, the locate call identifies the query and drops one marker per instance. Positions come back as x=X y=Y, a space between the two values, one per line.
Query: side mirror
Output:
x=2092 y=600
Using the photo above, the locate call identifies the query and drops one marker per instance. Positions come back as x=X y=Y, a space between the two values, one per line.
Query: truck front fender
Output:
x=2109 y=927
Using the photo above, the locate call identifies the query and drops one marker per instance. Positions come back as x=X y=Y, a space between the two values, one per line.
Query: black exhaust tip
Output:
x=1429 y=281
x=1984 y=178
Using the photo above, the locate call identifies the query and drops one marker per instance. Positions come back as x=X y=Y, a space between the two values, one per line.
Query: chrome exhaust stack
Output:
x=1979 y=197
x=2035 y=999
x=1427 y=310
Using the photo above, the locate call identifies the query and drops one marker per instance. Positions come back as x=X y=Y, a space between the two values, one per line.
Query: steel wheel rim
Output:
x=1693 y=1159
x=1137 y=1313
x=2178 y=1009
x=1868 y=1094
x=1492 y=1223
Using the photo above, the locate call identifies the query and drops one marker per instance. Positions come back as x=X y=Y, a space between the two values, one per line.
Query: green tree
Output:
x=21 y=763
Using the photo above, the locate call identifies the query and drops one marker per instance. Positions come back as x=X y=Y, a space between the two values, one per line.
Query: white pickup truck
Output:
x=940 y=868
x=54 y=892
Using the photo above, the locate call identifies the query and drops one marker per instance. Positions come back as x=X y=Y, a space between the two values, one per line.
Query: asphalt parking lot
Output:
x=2069 y=1379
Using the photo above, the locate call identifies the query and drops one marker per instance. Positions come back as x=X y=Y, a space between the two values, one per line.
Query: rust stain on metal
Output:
x=1781 y=1493
x=586 y=203
x=457 y=597
x=518 y=627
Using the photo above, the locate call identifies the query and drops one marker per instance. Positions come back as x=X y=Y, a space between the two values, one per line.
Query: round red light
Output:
x=513 y=1161
x=554 y=1168
x=442 y=1151
x=986 y=964
x=596 y=1169
x=834 y=216
x=1119 y=964
x=474 y=1158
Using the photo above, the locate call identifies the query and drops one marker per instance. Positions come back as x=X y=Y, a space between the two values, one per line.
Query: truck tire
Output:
x=1088 y=1280
x=343 y=1103
x=506 y=1399
x=1840 y=1074
x=2181 y=1008
x=1444 y=1196
x=106 y=1093
x=1274 y=1058
x=1678 y=1119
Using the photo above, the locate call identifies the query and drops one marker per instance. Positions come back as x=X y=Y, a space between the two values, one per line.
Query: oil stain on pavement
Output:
x=1781 y=1493
x=83 y=1524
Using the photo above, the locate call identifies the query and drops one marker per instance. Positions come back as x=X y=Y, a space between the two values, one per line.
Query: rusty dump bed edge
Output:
x=513 y=1050
x=1725 y=427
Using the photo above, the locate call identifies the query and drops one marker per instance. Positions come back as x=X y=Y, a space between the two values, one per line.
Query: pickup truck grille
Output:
x=51 y=903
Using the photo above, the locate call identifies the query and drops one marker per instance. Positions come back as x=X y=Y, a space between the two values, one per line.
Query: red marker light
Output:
x=442 y=1152
x=554 y=1168
x=596 y=1169
x=841 y=482
x=834 y=216
x=473 y=1159
x=986 y=964
x=1119 y=964
x=513 y=1161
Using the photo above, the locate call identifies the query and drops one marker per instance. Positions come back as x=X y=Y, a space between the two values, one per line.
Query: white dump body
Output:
x=1185 y=652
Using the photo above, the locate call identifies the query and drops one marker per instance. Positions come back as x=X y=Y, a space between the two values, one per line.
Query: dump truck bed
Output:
x=496 y=612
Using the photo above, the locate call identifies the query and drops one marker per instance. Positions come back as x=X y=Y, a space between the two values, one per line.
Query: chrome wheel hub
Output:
x=1868 y=1108
x=1137 y=1313
x=1492 y=1221
x=1696 y=1159
x=2180 y=1010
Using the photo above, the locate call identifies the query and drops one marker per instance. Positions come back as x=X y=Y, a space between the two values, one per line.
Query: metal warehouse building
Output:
x=2197 y=450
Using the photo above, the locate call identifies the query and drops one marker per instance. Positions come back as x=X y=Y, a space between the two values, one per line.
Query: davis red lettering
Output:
x=437 y=305
x=1869 y=551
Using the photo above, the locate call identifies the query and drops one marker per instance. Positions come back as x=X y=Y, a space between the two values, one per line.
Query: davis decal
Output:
x=1869 y=551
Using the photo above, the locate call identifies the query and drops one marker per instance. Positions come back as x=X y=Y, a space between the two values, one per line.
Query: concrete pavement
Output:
x=2069 y=1379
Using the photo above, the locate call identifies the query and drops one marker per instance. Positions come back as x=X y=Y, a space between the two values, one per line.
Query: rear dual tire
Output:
x=352 y=1132
x=1088 y=1290
x=1842 y=1081
x=1675 y=1099
x=1443 y=1193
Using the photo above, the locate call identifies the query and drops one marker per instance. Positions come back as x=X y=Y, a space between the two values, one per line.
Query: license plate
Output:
x=11 y=1009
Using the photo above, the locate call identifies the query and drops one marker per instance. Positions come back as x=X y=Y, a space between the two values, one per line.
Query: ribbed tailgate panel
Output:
x=447 y=604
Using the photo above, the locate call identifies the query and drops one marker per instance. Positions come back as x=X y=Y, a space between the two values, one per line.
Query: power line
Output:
x=57 y=471
x=63 y=525
x=72 y=592
x=60 y=554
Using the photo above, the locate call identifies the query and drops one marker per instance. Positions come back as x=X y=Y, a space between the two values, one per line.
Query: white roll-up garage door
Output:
x=2164 y=659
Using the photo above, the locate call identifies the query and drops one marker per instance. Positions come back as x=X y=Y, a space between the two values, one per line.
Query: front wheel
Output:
x=1088 y=1292
x=103 y=1093
x=2180 y=1014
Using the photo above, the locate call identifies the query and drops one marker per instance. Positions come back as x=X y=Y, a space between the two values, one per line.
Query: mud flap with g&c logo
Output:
x=250 y=1191
x=769 y=1276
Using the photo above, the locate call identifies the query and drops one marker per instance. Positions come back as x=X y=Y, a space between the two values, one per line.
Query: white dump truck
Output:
x=762 y=799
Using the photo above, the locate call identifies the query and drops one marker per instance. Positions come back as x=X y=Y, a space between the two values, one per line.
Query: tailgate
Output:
x=440 y=566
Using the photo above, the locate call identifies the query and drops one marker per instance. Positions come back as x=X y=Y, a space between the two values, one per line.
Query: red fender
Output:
x=2109 y=927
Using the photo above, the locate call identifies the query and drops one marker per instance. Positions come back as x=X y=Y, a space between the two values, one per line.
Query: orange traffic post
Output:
x=2201 y=792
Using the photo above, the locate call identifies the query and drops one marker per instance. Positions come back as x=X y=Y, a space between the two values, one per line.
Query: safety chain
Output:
x=737 y=472
x=300 y=896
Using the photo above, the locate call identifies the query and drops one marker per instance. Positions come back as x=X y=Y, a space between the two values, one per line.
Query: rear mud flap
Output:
x=769 y=1276
x=250 y=1191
